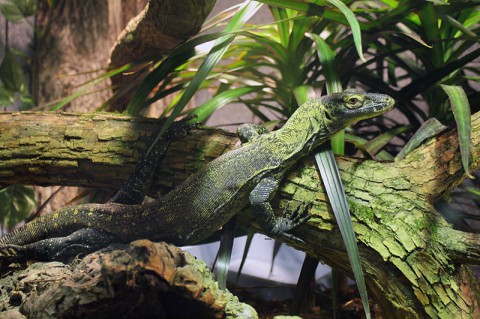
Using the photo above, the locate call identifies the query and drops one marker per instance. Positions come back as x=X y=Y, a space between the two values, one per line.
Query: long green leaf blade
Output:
x=333 y=83
x=93 y=82
x=429 y=128
x=11 y=73
x=331 y=177
x=352 y=21
x=220 y=47
x=333 y=185
x=327 y=57
x=359 y=143
x=376 y=144
x=206 y=109
x=225 y=253
x=463 y=118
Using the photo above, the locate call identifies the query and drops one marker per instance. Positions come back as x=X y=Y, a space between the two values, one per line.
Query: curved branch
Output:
x=157 y=30
x=400 y=233
x=463 y=247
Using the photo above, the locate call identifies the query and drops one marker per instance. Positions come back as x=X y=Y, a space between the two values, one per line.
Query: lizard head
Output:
x=318 y=119
x=345 y=108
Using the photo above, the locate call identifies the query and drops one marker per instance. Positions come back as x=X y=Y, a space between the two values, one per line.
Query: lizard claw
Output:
x=9 y=251
x=292 y=220
x=181 y=127
x=298 y=216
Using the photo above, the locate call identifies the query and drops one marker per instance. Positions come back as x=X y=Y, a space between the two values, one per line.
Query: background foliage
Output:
x=425 y=54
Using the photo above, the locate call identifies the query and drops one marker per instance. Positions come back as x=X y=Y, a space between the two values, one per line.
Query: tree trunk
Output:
x=415 y=263
x=73 y=47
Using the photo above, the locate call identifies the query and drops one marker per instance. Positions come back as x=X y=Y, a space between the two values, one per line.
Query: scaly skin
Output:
x=208 y=198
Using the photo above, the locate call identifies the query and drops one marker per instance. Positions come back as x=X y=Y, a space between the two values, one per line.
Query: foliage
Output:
x=17 y=10
x=17 y=202
x=12 y=79
x=422 y=53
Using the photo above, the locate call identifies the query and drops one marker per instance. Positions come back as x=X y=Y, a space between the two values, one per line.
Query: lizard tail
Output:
x=57 y=224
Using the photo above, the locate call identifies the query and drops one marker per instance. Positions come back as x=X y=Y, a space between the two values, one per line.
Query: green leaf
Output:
x=225 y=252
x=327 y=58
x=248 y=243
x=6 y=97
x=308 y=7
x=303 y=93
x=331 y=177
x=87 y=85
x=307 y=275
x=11 y=73
x=16 y=203
x=360 y=143
x=352 y=21
x=176 y=58
x=336 y=194
x=429 y=128
x=424 y=82
x=461 y=112
x=333 y=83
x=220 y=46
x=473 y=190
x=138 y=100
x=376 y=144
x=16 y=10
x=206 y=109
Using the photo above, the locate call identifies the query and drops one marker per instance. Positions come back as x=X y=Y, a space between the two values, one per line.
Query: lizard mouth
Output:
x=383 y=105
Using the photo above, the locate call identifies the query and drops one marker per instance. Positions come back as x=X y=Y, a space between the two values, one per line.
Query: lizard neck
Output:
x=302 y=132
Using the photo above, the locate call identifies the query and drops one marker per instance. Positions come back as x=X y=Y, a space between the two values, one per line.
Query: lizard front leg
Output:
x=249 y=132
x=263 y=212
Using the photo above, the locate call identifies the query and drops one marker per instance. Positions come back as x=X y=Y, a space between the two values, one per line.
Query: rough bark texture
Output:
x=140 y=280
x=73 y=46
x=414 y=261
x=157 y=30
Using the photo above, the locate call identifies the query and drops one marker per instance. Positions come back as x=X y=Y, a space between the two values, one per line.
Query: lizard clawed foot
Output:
x=8 y=251
x=181 y=127
x=292 y=220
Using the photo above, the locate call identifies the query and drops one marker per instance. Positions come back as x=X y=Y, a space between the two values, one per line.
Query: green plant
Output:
x=12 y=78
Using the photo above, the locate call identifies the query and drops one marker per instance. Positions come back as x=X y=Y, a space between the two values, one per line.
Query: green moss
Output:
x=394 y=248
x=421 y=297
x=288 y=188
x=363 y=213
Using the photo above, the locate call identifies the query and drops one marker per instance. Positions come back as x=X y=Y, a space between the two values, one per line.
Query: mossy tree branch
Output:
x=412 y=257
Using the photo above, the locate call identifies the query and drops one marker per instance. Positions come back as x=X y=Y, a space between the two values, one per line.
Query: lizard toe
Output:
x=7 y=251
x=181 y=128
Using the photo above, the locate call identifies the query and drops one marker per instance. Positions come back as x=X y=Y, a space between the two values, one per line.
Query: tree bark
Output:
x=140 y=280
x=415 y=263
x=154 y=32
x=73 y=47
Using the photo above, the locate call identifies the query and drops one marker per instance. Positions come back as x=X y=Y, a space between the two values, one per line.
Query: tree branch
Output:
x=157 y=30
x=408 y=250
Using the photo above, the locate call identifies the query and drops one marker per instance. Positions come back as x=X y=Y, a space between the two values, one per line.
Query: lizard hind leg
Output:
x=80 y=242
x=134 y=189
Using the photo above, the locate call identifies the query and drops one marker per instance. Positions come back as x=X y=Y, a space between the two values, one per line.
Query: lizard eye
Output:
x=354 y=102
